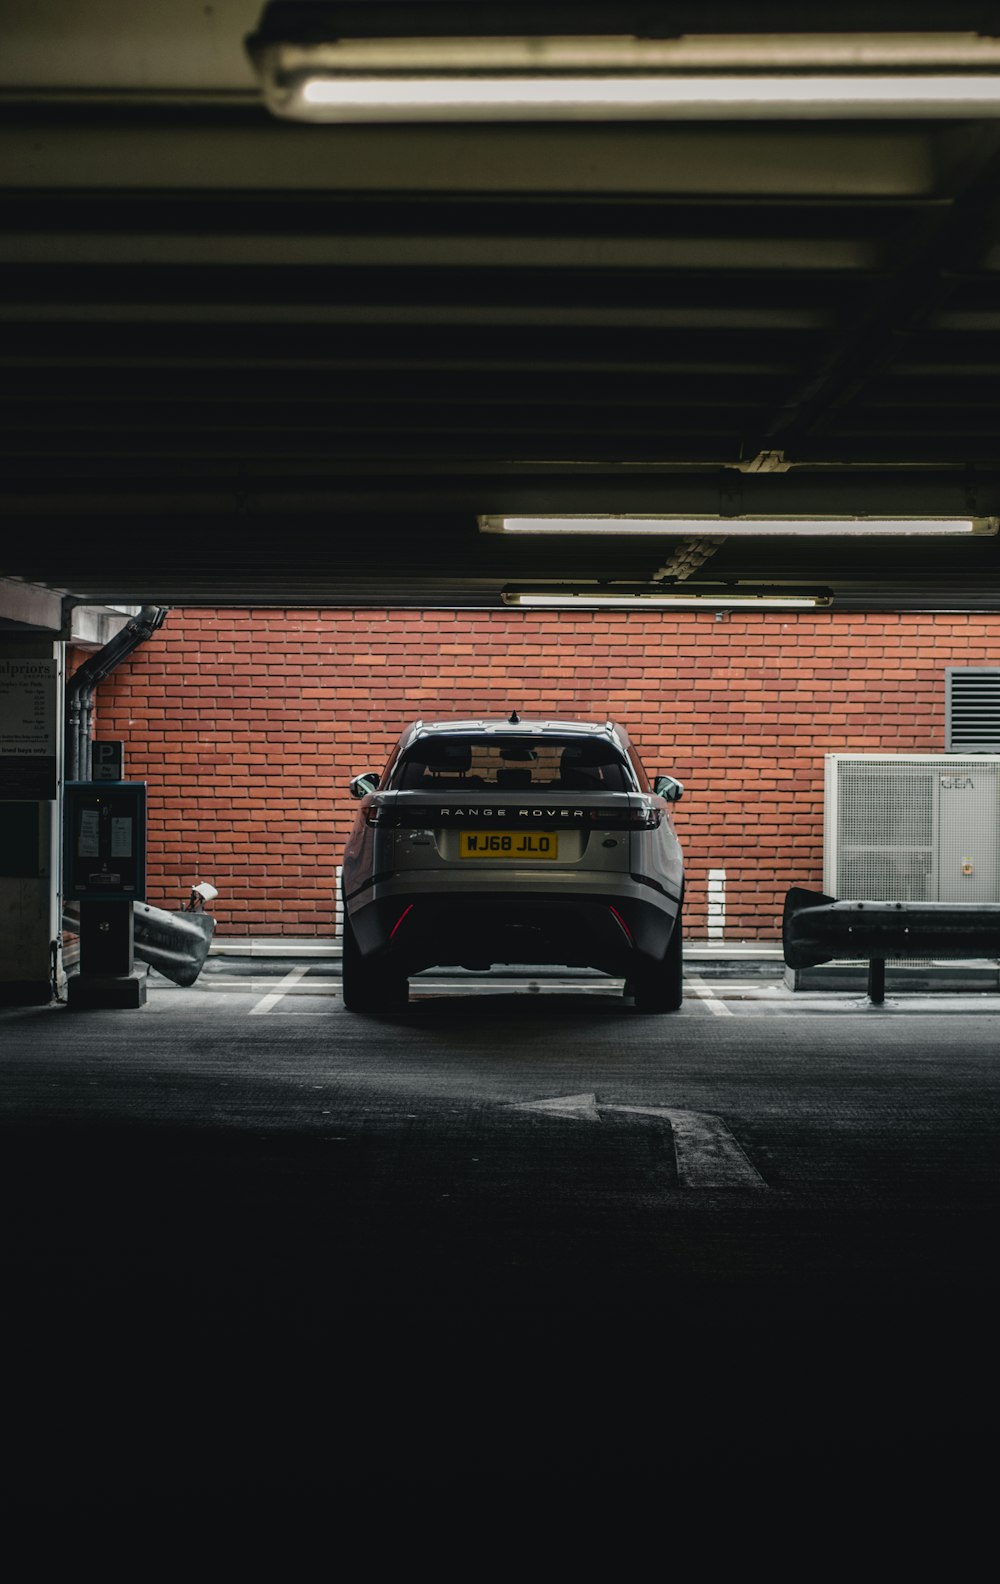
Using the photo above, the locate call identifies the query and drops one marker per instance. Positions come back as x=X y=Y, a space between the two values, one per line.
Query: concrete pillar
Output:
x=30 y=904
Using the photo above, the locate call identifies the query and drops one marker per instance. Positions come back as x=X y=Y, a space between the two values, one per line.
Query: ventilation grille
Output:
x=972 y=709
x=885 y=832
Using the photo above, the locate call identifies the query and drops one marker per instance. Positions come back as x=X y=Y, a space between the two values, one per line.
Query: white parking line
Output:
x=707 y=994
x=267 y=1002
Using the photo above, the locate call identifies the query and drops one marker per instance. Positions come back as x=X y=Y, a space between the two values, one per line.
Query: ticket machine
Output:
x=104 y=869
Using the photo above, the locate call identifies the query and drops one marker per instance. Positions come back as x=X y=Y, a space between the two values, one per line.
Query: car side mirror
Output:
x=363 y=784
x=666 y=787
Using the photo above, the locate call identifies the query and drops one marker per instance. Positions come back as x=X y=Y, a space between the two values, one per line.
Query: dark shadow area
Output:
x=200 y=1311
x=263 y=1263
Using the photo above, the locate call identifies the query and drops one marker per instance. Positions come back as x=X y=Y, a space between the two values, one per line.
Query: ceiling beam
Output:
x=960 y=234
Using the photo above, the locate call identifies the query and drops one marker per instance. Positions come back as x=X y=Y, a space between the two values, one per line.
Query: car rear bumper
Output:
x=427 y=924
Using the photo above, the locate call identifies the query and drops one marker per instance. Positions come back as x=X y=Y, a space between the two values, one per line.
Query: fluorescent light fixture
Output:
x=739 y=527
x=644 y=597
x=815 y=97
x=310 y=68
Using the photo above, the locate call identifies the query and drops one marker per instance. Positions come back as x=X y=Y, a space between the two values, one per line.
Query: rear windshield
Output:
x=512 y=764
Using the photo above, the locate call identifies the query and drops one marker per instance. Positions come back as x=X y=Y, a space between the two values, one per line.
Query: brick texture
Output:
x=249 y=724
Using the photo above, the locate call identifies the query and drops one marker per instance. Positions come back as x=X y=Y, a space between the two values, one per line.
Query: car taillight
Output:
x=381 y=814
x=645 y=818
x=642 y=817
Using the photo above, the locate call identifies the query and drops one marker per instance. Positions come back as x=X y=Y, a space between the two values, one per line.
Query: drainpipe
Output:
x=81 y=685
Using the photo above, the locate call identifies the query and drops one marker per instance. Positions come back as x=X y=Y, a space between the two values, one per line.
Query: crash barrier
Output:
x=817 y=929
x=175 y=944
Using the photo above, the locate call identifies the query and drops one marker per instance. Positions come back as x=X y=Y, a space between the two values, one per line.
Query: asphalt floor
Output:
x=260 y=1249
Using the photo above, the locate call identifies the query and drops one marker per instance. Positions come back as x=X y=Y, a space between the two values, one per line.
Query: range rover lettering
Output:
x=522 y=841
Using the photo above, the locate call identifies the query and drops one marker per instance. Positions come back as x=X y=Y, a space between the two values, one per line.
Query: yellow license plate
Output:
x=525 y=846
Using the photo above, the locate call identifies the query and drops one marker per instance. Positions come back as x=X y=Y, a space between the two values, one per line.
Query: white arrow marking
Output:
x=706 y=1153
x=582 y=1106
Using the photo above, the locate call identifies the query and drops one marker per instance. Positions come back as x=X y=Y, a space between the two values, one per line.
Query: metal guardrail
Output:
x=817 y=929
x=175 y=944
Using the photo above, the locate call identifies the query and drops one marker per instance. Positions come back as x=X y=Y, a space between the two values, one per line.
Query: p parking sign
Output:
x=107 y=761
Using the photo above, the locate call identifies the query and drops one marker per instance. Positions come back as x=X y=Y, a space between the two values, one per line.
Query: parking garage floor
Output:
x=257 y=1246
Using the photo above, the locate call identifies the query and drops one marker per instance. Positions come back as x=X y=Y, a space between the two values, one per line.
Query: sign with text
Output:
x=104 y=841
x=107 y=761
x=28 y=716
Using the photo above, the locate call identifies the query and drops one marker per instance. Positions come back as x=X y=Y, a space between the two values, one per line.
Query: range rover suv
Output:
x=512 y=841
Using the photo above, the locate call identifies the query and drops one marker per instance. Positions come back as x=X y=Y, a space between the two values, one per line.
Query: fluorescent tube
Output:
x=665 y=601
x=730 y=527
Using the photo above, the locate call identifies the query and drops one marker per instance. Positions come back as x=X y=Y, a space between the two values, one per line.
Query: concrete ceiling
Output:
x=251 y=361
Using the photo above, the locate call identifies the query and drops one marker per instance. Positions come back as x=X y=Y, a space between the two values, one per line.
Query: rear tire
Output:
x=659 y=987
x=369 y=987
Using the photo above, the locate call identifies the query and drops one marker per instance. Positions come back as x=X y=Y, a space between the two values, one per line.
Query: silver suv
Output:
x=512 y=841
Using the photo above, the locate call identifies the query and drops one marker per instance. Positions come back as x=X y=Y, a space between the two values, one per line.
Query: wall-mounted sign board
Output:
x=28 y=717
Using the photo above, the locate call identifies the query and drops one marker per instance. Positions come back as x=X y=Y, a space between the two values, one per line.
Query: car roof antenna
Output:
x=513 y=718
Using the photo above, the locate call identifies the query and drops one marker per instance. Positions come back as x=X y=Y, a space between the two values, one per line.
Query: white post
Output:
x=716 y=904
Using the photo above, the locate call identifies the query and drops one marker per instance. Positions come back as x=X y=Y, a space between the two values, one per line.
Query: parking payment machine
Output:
x=104 y=869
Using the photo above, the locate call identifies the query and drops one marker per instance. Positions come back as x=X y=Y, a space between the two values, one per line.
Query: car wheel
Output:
x=369 y=987
x=659 y=986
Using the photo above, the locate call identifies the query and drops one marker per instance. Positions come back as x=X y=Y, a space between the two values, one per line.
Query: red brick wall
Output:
x=249 y=724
